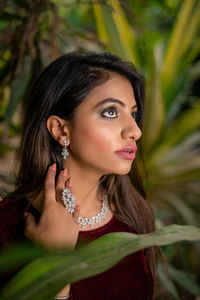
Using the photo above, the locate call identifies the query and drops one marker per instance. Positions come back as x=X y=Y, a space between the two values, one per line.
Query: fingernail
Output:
x=26 y=214
x=53 y=167
x=65 y=172
x=70 y=182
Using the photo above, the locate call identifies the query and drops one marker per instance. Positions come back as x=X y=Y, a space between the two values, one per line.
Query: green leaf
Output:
x=167 y=283
x=187 y=122
x=101 y=26
x=182 y=37
x=185 y=280
x=126 y=33
x=19 y=254
x=155 y=110
x=114 y=30
x=180 y=142
x=45 y=277
x=108 y=32
x=187 y=214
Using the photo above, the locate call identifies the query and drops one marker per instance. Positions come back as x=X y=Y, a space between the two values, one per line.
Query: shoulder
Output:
x=11 y=220
x=122 y=225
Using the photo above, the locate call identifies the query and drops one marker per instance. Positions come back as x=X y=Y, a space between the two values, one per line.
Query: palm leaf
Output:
x=183 y=34
x=155 y=110
x=186 y=123
x=185 y=280
x=167 y=283
x=114 y=30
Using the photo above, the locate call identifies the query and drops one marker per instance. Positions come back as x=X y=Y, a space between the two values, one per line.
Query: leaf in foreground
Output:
x=45 y=277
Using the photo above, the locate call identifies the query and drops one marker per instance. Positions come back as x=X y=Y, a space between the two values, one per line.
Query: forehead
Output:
x=116 y=86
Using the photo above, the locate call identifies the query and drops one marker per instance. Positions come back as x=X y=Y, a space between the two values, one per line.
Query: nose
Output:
x=130 y=130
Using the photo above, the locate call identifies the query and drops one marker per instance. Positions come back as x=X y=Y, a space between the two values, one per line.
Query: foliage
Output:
x=167 y=55
x=161 y=39
x=91 y=259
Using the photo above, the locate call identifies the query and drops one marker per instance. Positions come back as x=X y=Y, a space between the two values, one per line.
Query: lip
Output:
x=127 y=155
x=130 y=147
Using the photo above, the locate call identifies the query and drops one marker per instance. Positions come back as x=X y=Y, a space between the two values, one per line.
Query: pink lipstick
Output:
x=127 y=152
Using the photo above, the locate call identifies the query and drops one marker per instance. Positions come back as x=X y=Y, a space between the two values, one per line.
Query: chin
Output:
x=124 y=168
x=121 y=170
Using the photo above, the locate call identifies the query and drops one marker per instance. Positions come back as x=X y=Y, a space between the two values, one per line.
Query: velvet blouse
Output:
x=129 y=279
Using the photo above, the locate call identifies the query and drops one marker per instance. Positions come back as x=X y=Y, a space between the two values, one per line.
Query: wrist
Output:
x=62 y=298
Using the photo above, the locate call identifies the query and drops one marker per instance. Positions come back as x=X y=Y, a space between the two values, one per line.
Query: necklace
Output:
x=98 y=218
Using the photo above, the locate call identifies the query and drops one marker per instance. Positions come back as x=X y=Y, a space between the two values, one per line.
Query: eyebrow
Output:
x=113 y=100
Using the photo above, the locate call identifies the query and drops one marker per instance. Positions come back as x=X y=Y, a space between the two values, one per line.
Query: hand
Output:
x=57 y=228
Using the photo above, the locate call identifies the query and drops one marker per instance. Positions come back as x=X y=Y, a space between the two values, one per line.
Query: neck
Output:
x=85 y=187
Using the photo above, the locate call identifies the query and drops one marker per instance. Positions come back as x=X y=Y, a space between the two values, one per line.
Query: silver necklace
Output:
x=98 y=218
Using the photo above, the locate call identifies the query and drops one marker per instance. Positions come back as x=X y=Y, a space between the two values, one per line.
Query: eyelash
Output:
x=134 y=114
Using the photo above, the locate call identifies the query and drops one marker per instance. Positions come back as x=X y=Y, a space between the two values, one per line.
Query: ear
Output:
x=59 y=129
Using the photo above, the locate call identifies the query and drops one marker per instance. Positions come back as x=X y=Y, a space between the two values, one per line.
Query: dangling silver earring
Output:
x=65 y=153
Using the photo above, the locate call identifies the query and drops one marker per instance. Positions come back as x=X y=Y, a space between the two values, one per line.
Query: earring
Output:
x=65 y=153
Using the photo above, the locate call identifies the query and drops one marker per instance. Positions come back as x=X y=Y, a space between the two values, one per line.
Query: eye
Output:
x=111 y=112
x=136 y=116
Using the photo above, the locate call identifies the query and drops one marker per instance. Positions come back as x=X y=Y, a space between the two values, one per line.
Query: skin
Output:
x=93 y=137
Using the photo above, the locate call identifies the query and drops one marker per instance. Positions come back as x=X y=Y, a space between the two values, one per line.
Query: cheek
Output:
x=94 y=140
x=98 y=139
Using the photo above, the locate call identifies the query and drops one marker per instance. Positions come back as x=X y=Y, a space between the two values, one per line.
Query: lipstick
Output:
x=127 y=152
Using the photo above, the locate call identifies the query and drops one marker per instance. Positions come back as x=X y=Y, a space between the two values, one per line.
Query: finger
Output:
x=60 y=183
x=76 y=213
x=30 y=226
x=70 y=182
x=49 y=185
x=60 y=198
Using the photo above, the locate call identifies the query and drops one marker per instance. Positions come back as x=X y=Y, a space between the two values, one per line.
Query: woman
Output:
x=82 y=123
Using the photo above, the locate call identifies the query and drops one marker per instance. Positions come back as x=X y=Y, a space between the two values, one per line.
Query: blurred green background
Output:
x=161 y=38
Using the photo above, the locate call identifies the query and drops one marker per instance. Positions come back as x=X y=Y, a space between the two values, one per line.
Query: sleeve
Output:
x=11 y=221
x=5 y=239
x=7 y=235
x=8 y=228
x=10 y=232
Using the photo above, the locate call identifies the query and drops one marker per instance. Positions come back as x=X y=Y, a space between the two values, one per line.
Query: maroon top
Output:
x=128 y=279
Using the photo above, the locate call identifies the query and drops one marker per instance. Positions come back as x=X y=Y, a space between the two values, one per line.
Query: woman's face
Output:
x=105 y=123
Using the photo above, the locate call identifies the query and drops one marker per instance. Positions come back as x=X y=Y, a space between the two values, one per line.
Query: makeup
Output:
x=127 y=152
